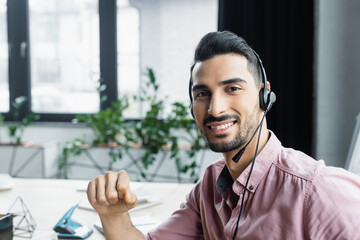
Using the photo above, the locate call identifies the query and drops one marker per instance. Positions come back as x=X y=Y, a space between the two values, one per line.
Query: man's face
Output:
x=226 y=101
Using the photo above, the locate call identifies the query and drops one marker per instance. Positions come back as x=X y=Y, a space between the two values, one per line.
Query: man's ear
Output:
x=268 y=86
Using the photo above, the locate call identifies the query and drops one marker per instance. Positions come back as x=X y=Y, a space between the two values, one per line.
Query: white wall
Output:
x=337 y=89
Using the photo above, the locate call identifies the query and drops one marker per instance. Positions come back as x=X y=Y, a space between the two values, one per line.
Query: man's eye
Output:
x=233 y=89
x=201 y=94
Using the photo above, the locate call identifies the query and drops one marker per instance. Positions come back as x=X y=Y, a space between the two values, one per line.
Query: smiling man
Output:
x=259 y=190
x=226 y=106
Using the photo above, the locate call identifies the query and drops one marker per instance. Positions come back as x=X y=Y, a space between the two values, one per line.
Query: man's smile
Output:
x=220 y=127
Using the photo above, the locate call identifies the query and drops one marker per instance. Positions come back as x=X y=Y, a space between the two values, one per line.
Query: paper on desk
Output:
x=143 y=223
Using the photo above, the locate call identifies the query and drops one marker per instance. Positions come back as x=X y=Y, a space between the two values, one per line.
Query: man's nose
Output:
x=217 y=105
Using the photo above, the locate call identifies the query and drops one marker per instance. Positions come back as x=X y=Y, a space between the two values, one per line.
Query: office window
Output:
x=60 y=52
x=4 y=76
x=164 y=33
x=64 y=50
x=128 y=45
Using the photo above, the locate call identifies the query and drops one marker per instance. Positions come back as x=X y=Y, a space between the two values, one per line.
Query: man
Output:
x=259 y=190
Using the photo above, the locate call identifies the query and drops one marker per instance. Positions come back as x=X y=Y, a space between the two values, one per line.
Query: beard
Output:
x=245 y=131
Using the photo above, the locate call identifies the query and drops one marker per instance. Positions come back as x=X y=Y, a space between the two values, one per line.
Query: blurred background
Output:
x=54 y=52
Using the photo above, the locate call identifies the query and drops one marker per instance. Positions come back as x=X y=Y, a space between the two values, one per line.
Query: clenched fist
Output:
x=110 y=194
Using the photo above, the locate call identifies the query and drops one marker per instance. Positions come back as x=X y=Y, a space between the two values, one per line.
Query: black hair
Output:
x=225 y=42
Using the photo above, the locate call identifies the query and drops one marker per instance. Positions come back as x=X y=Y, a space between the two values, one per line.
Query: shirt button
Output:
x=251 y=187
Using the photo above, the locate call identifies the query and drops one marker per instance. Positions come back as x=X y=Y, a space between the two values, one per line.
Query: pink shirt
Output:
x=289 y=196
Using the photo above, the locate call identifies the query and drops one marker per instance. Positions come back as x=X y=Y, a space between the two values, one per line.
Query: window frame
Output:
x=19 y=62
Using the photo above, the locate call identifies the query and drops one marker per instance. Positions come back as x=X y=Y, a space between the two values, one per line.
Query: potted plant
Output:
x=157 y=132
x=190 y=134
x=107 y=126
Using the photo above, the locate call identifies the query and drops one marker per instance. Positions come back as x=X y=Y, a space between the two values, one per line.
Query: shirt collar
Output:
x=224 y=180
x=263 y=161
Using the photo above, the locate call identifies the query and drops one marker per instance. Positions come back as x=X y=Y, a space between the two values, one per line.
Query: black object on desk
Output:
x=6 y=227
x=68 y=229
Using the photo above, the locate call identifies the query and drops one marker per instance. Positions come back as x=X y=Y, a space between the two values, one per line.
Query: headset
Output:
x=266 y=98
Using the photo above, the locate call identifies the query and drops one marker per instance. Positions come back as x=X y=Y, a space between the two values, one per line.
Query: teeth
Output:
x=219 y=127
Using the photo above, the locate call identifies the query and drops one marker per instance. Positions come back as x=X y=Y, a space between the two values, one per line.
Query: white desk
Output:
x=49 y=199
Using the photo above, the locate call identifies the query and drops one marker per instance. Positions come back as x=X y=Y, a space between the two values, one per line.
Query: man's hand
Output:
x=111 y=198
x=110 y=194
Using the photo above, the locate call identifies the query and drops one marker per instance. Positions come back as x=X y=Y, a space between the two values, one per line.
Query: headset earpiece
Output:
x=271 y=100
x=263 y=98
x=266 y=97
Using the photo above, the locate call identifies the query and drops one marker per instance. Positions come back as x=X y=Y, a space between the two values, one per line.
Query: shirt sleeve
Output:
x=333 y=205
x=185 y=223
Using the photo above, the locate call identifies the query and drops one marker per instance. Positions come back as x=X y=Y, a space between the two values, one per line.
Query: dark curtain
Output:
x=282 y=33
